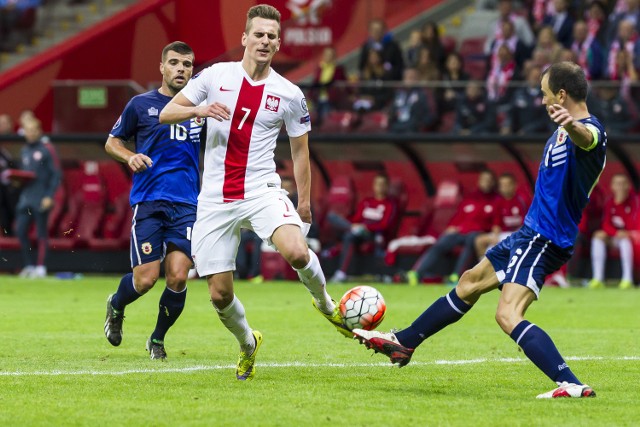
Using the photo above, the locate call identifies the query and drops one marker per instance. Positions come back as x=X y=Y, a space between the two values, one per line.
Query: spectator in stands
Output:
x=327 y=73
x=474 y=114
x=521 y=26
x=410 y=111
x=628 y=41
x=539 y=11
x=630 y=14
x=625 y=73
x=26 y=116
x=596 y=18
x=371 y=96
x=613 y=109
x=548 y=43
x=36 y=198
x=500 y=76
x=6 y=124
x=588 y=51
x=454 y=81
x=508 y=214
x=620 y=216
x=413 y=47
x=383 y=43
x=8 y=194
x=474 y=216
x=526 y=112
x=519 y=50
x=430 y=36
x=427 y=67
x=561 y=23
x=372 y=222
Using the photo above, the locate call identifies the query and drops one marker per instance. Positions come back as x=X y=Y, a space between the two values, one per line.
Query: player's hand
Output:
x=216 y=110
x=305 y=213
x=559 y=115
x=46 y=203
x=140 y=162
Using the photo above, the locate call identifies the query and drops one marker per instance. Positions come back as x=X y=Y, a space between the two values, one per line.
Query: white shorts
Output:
x=216 y=232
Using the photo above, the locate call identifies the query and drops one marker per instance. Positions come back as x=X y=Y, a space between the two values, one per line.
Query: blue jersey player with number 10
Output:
x=572 y=162
x=166 y=183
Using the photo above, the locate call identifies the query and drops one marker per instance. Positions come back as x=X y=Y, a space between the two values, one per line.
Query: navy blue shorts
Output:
x=155 y=225
x=526 y=258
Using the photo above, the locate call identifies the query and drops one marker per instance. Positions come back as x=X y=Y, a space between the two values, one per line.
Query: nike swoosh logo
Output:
x=225 y=90
x=287 y=215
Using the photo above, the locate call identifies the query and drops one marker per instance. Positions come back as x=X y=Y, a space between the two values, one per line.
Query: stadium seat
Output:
x=338 y=122
x=374 y=122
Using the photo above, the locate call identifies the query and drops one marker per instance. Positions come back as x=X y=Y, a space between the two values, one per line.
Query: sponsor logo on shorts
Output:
x=146 y=248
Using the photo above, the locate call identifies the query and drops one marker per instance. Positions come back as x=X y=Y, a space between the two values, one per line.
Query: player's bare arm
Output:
x=137 y=162
x=578 y=132
x=302 y=174
x=180 y=109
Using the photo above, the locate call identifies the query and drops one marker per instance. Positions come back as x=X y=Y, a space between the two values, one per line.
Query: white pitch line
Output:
x=198 y=368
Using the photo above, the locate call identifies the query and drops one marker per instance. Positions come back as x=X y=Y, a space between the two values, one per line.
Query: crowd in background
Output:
x=494 y=88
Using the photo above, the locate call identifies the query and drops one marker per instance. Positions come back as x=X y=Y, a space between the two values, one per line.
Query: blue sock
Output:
x=541 y=350
x=126 y=293
x=445 y=311
x=171 y=305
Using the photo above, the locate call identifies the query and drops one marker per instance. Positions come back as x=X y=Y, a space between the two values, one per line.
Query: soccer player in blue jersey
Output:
x=572 y=162
x=166 y=183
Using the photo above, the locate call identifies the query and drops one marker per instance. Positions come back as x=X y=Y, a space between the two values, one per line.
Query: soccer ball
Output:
x=362 y=307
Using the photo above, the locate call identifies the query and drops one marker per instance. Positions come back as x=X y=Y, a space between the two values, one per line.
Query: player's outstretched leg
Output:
x=312 y=276
x=170 y=307
x=126 y=294
x=399 y=346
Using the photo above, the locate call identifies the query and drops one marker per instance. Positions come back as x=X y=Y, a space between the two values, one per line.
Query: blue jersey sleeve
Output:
x=127 y=124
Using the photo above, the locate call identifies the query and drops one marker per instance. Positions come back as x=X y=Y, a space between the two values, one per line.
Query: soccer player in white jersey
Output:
x=246 y=104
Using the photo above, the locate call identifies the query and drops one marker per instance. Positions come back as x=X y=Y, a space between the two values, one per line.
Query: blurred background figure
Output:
x=372 y=222
x=620 y=216
x=36 y=198
x=410 y=110
x=474 y=114
x=327 y=73
x=382 y=42
x=6 y=124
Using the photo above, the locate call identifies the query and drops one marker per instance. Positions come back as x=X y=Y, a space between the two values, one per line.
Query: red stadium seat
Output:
x=338 y=122
x=374 y=122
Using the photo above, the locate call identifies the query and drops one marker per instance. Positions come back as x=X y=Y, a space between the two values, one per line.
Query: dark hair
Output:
x=179 y=47
x=264 y=11
x=509 y=175
x=570 y=77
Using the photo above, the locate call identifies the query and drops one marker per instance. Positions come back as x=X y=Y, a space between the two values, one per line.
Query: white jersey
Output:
x=238 y=160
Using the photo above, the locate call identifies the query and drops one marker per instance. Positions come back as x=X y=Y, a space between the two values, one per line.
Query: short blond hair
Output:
x=264 y=11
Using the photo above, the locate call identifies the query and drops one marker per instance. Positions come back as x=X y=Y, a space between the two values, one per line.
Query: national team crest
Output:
x=272 y=103
x=153 y=111
x=146 y=248
x=199 y=121
x=562 y=136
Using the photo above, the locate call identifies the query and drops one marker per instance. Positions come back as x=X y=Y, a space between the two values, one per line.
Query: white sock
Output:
x=313 y=278
x=626 y=258
x=233 y=317
x=598 y=258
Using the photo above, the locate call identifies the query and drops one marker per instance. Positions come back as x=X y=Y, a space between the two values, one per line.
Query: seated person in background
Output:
x=6 y=124
x=474 y=216
x=410 y=111
x=527 y=114
x=372 y=222
x=509 y=214
x=474 y=114
x=619 y=217
x=370 y=95
x=248 y=259
x=327 y=73
x=454 y=79
x=613 y=109
x=588 y=50
x=388 y=49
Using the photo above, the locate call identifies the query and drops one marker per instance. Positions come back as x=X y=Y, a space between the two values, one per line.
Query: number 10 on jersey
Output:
x=178 y=132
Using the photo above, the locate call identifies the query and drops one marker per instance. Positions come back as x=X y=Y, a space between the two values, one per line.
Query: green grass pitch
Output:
x=56 y=367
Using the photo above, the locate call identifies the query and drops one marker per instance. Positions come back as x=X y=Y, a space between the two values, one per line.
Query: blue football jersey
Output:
x=174 y=149
x=566 y=177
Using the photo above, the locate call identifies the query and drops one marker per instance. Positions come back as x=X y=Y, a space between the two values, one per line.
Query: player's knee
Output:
x=220 y=297
x=177 y=282
x=468 y=288
x=600 y=234
x=297 y=255
x=144 y=283
x=507 y=318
